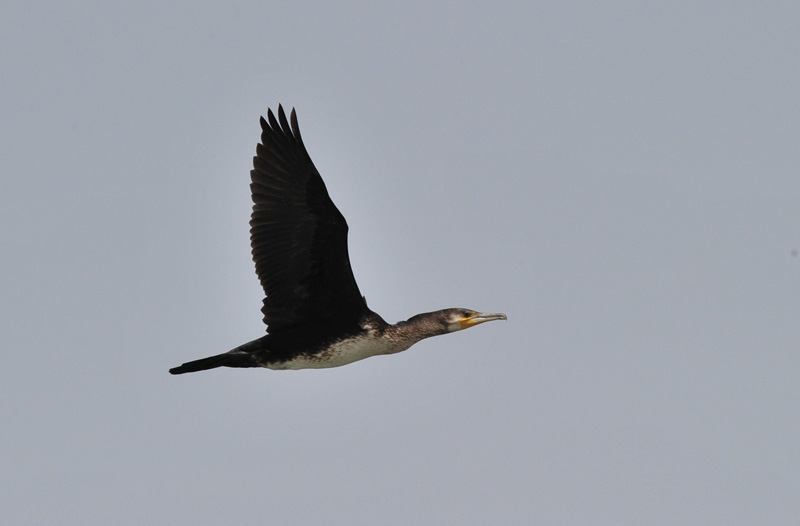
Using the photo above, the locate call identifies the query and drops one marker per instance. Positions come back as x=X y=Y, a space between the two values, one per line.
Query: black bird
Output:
x=315 y=314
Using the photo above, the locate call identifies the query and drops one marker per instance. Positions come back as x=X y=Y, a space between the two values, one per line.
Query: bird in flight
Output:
x=315 y=315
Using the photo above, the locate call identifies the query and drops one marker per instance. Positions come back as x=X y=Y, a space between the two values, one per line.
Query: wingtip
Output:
x=295 y=126
x=280 y=122
x=285 y=128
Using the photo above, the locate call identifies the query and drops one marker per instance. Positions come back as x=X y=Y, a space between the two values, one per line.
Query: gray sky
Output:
x=620 y=178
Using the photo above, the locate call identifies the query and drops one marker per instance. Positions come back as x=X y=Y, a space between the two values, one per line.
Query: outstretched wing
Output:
x=298 y=236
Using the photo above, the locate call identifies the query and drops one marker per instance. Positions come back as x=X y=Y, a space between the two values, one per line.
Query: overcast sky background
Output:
x=620 y=178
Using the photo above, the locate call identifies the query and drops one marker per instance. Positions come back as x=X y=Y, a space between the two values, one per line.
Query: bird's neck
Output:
x=418 y=328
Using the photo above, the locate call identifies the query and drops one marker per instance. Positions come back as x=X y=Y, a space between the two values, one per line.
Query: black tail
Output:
x=229 y=359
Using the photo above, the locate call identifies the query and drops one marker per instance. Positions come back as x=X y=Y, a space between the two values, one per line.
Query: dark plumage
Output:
x=315 y=314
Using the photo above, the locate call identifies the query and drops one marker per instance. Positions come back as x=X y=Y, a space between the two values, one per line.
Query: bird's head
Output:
x=457 y=319
x=444 y=321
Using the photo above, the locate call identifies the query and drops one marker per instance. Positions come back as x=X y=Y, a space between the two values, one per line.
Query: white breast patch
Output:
x=345 y=352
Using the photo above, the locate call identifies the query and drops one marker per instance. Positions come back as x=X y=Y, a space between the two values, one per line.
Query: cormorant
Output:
x=315 y=314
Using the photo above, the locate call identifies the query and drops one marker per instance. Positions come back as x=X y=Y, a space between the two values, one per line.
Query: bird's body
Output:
x=315 y=314
x=373 y=337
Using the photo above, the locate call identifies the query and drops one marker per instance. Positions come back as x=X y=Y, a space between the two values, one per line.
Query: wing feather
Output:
x=298 y=236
